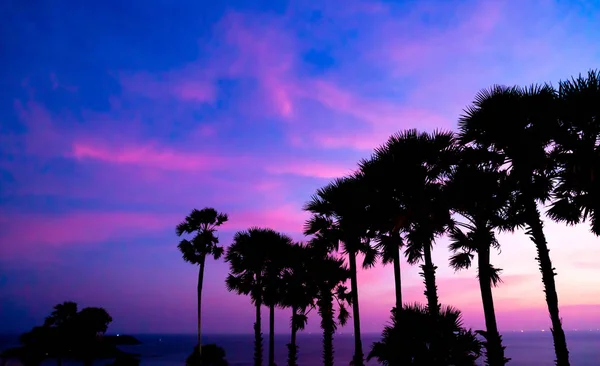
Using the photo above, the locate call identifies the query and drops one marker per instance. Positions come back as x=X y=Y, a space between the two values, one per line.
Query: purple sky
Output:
x=116 y=119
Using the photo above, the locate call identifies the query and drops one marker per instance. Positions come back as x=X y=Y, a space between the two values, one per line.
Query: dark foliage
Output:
x=257 y=258
x=68 y=334
x=408 y=339
x=520 y=124
x=577 y=152
x=341 y=215
x=212 y=355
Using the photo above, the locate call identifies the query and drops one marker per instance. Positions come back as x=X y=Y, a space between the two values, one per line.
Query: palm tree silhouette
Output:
x=278 y=260
x=255 y=263
x=340 y=215
x=422 y=162
x=577 y=150
x=203 y=224
x=520 y=124
x=481 y=197
x=297 y=295
x=327 y=277
x=408 y=339
x=387 y=211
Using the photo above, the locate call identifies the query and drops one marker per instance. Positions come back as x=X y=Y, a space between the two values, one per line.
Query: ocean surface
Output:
x=525 y=349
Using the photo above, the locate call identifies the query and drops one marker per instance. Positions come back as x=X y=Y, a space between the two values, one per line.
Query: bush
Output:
x=415 y=338
x=212 y=355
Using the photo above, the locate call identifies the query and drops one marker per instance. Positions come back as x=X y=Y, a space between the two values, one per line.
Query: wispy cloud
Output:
x=148 y=156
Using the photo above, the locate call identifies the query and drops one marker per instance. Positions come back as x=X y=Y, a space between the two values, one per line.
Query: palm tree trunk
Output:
x=292 y=347
x=200 y=281
x=325 y=305
x=396 y=264
x=258 y=351
x=495 y=351
x=536 y=233
x=429 y=279
x=358 y=359
x=271 y=335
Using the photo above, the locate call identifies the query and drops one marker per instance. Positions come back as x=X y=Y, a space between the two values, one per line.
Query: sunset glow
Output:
x=115 y=124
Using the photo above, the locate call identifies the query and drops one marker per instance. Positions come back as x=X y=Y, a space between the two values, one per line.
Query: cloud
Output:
x=149 y=156
x=28 y=234
x=312 y=169
x=170 y=86
x=41 y=137
x=288 y=218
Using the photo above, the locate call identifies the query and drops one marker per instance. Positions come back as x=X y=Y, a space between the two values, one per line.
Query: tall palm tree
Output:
x=519 y=124
x=297 y=295
x=327 y=276
x=419 y=164
x=203 y=225
x=481 y=197
x=387 y=212
x=253 y=259
x=340 y=216
x=278 y=260
x=577 y=150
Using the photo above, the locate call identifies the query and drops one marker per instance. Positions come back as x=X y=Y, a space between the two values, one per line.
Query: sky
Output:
x=118 y=118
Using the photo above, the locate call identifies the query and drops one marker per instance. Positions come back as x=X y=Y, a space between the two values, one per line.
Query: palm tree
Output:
x=407 y=340
x=481 y=197
x=387 y=212
x=418 y=165
x=327 y=276
x=203 y=224
x=340 y=216
x=278 y=260
x=519 y=124
x=297 y=295
x=577 y=150
x=253 y=258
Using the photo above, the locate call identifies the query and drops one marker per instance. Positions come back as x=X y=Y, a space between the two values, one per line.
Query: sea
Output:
x=524 y=348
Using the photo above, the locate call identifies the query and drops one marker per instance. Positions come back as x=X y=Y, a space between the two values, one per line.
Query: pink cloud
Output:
x=312 y=169
x=195 y=88
x=41 y=138
x=135 y=184
x=287 y=218
x=253 y=48
x=147 y=156
x=381 y=117
x=427 y=47
x=263 y=52
x=23 y=234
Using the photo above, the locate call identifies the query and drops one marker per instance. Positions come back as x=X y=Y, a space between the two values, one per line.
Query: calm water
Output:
x=525 y=349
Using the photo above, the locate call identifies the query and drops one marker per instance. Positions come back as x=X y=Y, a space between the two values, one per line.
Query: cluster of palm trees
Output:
x=516 y=148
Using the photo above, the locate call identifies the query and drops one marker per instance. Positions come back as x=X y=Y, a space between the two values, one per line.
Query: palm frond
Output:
x=371 y=254
x=461 y=260
x=343 y=315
